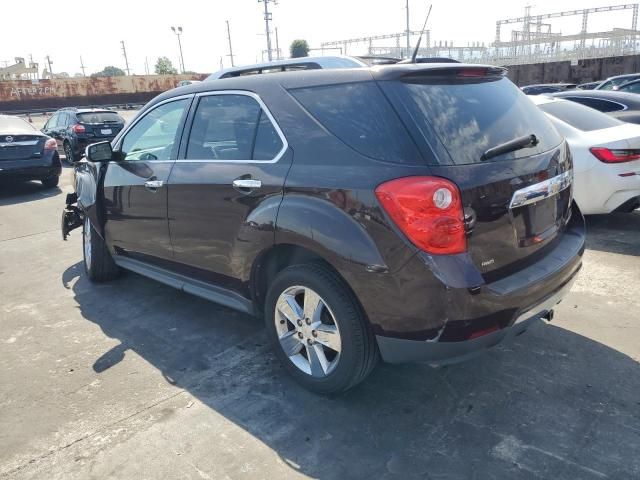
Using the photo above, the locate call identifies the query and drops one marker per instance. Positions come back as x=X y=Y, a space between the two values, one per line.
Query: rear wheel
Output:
x=50 y=182
x=98 y=262
x=68 y=153
x=318 y=329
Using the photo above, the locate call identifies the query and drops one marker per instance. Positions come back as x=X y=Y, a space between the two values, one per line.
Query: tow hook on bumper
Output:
x=72 y=216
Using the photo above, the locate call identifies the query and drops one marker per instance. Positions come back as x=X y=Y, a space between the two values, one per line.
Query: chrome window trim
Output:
x=24 y=143
x=540 y=191
x=624 y=107
x=256 y=97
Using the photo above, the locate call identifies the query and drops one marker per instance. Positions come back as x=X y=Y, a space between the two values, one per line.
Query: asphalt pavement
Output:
x=135 y=380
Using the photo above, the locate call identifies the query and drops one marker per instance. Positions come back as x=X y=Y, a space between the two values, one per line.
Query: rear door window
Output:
x=468 y=116
x=578 y=116
x=361 y=117
x=232 y=127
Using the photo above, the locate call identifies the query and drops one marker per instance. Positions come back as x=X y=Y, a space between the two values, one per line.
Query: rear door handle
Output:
x=247 y=183
x=153 y=184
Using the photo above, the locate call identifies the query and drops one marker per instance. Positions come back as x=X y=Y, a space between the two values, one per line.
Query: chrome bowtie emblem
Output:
x=8 y=139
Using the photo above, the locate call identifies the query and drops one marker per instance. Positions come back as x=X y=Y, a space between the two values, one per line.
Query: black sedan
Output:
x=621 y=105
x=27 y=154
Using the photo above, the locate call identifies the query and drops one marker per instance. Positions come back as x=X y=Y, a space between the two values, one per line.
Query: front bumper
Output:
x=397 y=350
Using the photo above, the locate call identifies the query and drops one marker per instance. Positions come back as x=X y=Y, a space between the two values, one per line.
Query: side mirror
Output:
x=99 y=152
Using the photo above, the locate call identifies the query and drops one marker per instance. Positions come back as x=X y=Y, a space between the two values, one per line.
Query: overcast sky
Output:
x=65 y=31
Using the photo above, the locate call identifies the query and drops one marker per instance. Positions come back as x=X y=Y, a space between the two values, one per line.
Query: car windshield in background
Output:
x=100 y=117
x=470 y=116
x=578 y=116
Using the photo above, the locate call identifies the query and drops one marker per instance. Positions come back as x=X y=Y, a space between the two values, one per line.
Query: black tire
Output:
x=68 y=153
x=359 y=353
x=50 y=182
x=99 y=265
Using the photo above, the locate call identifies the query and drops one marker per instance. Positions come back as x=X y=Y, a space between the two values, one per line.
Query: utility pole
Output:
x=267 y=19
x=178 y=32
x=408 y=32
x=82 y=67
x=230 y=49
x=146 y=65
x=124 y=52
x=277 y=45
x=49 y=62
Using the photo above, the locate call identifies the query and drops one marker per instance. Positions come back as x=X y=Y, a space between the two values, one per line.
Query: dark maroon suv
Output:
x=409 y=212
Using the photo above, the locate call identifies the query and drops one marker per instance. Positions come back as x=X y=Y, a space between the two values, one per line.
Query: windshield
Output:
x=469 y=116
x=578 y=116
x=100 y=117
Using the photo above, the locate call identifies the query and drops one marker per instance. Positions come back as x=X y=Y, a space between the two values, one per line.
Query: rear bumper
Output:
x=439 y=309
x=397 y=350
x=30 y=169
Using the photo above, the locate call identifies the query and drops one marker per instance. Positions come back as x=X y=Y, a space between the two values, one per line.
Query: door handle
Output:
x=247 y=183
x=153 y=184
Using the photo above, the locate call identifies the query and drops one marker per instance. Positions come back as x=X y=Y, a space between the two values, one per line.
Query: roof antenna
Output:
x=415 y=52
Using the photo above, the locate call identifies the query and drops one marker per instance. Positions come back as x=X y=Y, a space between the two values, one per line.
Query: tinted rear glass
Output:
x=14 y=125
x=578 y=116
x=360 y=116
x=99 y=117
x=468 y=116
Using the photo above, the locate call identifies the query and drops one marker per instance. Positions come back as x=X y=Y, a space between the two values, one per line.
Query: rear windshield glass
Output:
x=360 y=116
x=578 y=116
x=468 y=116
x=100 y=117
x=14 y=125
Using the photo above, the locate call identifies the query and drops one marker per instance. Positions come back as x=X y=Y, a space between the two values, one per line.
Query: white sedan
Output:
x=606 y=155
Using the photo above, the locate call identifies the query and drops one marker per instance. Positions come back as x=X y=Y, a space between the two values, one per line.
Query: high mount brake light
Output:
x=473 y=72
x=614 y=156
x=428 y=210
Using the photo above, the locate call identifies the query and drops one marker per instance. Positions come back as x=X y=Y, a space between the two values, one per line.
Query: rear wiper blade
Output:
x=511 y=146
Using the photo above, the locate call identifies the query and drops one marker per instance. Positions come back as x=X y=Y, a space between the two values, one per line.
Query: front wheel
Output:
x=318 y=329
x=98 y=262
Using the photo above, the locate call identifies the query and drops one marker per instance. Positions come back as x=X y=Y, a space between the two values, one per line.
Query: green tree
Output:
x=62 y=75
x=109 y=71
x=299 y=48
x=165 y=67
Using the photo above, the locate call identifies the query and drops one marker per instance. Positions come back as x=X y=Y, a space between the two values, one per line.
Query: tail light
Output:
x=77 y=128
x=51 y=144
x=428 y=210
x=614 y=156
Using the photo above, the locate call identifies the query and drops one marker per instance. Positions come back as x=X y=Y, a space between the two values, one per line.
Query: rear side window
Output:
x=232 y=127
x=578 y=116
x=361 y=117
x=99 y=117
x=468 y=116
x=632 y=88
x=597 y=103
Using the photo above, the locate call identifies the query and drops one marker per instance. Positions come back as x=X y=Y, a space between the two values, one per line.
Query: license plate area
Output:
x=106 y=131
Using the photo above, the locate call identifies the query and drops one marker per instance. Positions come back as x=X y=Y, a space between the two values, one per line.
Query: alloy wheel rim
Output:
x=87 y=243
x=67 y=152
x=308 y=331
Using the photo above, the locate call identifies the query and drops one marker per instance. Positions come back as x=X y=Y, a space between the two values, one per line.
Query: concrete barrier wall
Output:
x=23 y=95
x=589 y=70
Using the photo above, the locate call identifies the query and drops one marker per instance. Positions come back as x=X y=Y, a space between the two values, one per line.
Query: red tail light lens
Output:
x=614 y=156
x=429 y=212
x=51 y=144
x=78 y=128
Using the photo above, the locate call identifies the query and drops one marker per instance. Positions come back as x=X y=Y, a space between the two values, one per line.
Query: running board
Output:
x=194 y=287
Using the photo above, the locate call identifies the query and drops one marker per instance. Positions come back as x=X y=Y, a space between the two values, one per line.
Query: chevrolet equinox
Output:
x=413 y=213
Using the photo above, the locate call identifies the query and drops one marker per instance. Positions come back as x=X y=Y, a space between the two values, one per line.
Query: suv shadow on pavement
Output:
x=15 y=193
x=553 y=404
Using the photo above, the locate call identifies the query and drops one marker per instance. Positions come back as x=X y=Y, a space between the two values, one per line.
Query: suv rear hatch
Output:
x=516 y=202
